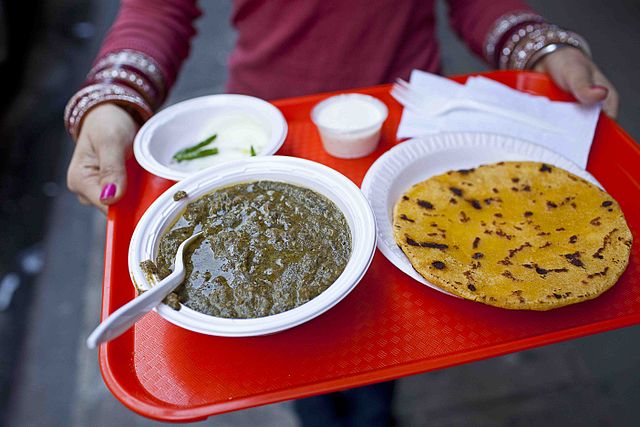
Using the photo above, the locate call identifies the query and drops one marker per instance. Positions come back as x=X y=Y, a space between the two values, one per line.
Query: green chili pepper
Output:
x=253 y=152
x=196 y=154
x=179 y=156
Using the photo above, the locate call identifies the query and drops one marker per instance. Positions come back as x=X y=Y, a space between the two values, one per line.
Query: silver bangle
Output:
x=540 y=54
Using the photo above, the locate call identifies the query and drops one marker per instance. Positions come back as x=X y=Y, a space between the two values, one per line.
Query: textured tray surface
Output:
x=389 y=326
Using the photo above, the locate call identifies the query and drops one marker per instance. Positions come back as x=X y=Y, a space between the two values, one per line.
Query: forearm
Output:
x=139 y=59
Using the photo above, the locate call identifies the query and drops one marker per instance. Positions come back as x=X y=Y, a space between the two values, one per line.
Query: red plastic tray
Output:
x=389 y=326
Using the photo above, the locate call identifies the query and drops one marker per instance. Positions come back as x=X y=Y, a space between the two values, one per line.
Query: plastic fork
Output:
x=416 y=102
x=126 y=316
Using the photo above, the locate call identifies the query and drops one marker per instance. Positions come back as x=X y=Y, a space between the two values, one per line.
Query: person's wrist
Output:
x=100 y=93
x=541 y=42
x=128 y=78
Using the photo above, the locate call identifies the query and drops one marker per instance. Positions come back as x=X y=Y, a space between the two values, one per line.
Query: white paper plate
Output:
x=418 y=159
x=345 y=194
x=179 y=125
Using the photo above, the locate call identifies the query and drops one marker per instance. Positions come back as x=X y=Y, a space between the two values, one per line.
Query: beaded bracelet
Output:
x=519 y=40
x=99 y=93
x=135 y=61
x=534 y=46
x=502 y=26
x=127 y=78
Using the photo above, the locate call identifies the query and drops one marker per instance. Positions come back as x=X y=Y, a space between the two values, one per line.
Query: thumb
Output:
x=113 y=174
x=582 y=86
x=578 y=79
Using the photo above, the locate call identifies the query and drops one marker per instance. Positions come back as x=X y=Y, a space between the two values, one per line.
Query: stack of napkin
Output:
x=576 y=122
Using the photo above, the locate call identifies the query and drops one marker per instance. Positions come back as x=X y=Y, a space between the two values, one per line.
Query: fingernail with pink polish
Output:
x=108 y=191
x=598 y=87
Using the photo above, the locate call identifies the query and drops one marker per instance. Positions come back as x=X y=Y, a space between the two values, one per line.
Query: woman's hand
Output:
x=97 y=171
x=574 y=72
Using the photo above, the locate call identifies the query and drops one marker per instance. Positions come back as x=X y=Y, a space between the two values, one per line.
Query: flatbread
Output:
x=517 y=235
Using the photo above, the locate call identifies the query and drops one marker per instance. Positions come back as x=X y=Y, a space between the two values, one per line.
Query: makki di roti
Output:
x=517 y=235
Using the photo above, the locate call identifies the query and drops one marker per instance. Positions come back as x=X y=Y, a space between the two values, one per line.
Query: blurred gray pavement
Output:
x=591 y=381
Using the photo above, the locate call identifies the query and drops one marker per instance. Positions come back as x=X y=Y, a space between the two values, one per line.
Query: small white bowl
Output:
x=181 y=125
x=322 y=179
x=350 y=124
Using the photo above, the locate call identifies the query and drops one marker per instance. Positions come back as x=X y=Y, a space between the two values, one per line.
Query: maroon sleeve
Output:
x=474 y=19
x=161 y=29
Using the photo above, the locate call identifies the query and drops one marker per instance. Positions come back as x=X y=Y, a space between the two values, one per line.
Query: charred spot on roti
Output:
x=574 y=258
x=465 y=171
x=503 y=234
x=514 y=251
x=433 y=245
x=471 y=287
x=528 y=214
x=545 y=168
x=599 y=273
x=606 y=203
x=438 y=265
x=455 y=190
x=573 y=239
x=452 y=201
x=509 y=275
x=605 y=242
x=476 y=242
x=463 y=217
x=425 y=204
x=544 y=271
x=406 y=218
x=411 y=242
x=476 y=204
x=595 y=221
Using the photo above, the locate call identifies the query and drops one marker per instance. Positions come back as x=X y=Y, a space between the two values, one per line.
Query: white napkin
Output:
x=577 y=122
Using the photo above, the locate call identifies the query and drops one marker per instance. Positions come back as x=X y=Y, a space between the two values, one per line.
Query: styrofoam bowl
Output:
x=181 y=124
x=345 y=194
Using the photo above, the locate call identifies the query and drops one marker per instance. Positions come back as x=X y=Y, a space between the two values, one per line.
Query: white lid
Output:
x=345 y=194
x=181 y=124
x=349 y=113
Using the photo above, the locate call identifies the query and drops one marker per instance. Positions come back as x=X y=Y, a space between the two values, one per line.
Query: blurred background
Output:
x=51 y=246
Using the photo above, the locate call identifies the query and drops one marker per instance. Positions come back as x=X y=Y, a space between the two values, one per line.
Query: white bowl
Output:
x=181 y=125
x=322 y=179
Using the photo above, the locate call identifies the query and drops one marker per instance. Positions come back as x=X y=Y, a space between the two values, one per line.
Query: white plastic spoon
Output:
x=127 y=315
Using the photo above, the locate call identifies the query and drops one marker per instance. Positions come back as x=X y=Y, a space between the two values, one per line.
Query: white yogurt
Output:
x=350 y=124
x=237 y=133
